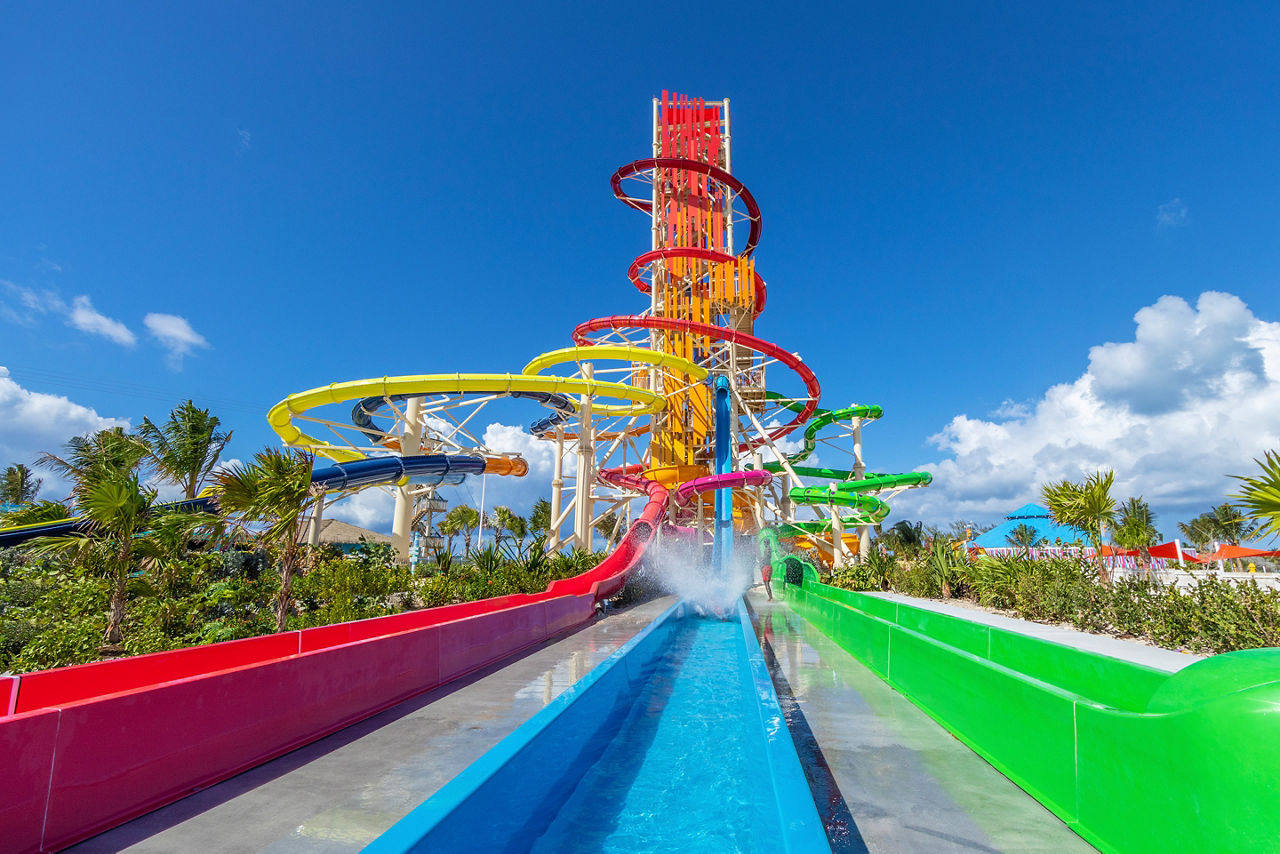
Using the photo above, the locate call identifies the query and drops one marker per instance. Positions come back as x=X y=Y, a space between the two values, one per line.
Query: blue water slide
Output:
x=676 y=739
x=62 y=527
x=722 y=542
x=433 y=469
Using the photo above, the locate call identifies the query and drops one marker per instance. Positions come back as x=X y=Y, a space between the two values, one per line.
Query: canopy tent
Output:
x=1170 y=550
x=1227 y=551
x=1036 y=517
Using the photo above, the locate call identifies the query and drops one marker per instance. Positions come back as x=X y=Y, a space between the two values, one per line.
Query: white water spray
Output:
x=683 y=568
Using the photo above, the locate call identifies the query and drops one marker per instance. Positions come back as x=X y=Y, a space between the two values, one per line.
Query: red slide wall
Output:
x=95 y=745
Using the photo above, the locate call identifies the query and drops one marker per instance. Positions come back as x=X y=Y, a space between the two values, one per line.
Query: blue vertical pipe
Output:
x=722 y=542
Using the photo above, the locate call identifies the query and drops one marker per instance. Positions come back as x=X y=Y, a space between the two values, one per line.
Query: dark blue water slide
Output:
x=432 y=469
x=63 y=527
x=435 y=469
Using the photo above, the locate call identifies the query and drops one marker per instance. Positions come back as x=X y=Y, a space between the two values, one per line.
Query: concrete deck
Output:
x=886 y=777
x=341 y=792
x=1125 y=650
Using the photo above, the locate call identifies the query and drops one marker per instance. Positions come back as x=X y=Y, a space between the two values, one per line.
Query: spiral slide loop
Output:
x=705 y=297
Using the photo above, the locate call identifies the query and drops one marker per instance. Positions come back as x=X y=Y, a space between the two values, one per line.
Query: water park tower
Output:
x=681 y=405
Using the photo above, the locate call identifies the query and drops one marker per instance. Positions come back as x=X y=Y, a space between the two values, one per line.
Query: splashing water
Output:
x=683 y=568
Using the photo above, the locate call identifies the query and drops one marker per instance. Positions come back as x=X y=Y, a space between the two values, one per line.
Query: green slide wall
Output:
x=1132 y=758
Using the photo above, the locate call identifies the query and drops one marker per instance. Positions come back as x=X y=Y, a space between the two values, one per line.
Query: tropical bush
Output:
x=1214 y=615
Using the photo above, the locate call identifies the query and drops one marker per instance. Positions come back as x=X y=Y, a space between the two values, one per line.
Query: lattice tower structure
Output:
x=696 y=277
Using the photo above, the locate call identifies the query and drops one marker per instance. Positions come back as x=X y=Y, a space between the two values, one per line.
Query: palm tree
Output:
x=1136 y=529
x=1224 y=524
x=904 y=536
x=462 y=519
x=450 y=528
x=609 y=526
x=1259 y=498
x=1087 y=506
x=1024 y=537
x=1232 y=526
x=186 y=448
x=1198 y=532
x=105 y=454
x=1136 y=525
x=507 y=522
x=518 y=527
x=276 y=490
x=122 y=533
x=35 y=514
x=18 y=486
x=540 y=517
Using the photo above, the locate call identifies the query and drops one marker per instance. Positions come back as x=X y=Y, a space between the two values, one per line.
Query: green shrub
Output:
x=355 y=586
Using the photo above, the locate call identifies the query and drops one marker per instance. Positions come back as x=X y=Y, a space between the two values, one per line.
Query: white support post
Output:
x=410 y=446
x=557 y=493
x=728 y=167
x=860 y=473
x=699 y=523
x=585 y=506
x=840 y=558
x=317 y=522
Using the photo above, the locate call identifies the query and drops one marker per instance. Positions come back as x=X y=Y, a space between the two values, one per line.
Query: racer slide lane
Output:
x=131 y=735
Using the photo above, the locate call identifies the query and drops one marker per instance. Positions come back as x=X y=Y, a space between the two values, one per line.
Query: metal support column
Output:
x=410 y=446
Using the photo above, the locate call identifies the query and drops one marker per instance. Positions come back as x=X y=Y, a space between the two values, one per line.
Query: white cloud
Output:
x=174 y=334
x=1172 y=214
x=86 y=318
x=369 y=508
x=1190 y=400
x=246 y=139
x=1180 y=355
x=22 y=305
x=32 y=423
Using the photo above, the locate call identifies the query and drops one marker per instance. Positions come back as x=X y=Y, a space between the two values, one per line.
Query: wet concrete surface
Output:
x=886 y=777
x=339 y=793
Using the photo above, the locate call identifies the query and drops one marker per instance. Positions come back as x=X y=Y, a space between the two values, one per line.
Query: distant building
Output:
x=334 y=532
x=1036 y=517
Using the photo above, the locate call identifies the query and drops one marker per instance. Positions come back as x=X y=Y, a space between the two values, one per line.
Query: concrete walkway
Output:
x=341 y=792
x=1125 y=650
x=886 y=777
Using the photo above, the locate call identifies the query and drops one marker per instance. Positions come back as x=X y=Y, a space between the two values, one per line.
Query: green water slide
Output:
x=1133 y=758
x=786 y=566
x=846 y=492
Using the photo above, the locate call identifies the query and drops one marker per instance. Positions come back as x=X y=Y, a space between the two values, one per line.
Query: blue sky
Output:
x=962 y=207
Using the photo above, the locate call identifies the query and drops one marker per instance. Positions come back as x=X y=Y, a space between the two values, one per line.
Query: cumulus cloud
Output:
x=174 y=334
x=86 y=318
x=369 y=508
x=1191 y=399
x=1172 y=214
x=32 y=423
x=1181 y=355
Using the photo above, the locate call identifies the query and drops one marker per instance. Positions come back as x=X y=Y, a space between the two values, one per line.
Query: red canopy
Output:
x=1170 y=550
x=1230 y=552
